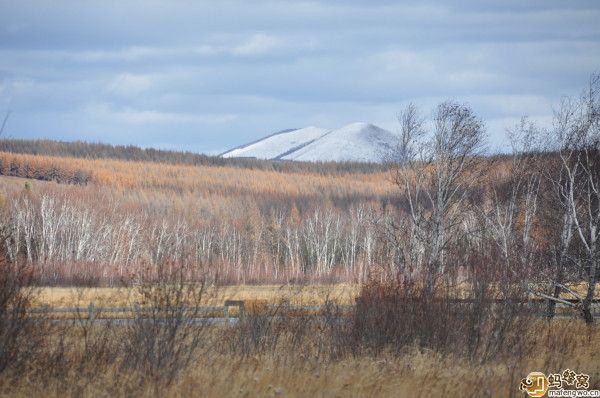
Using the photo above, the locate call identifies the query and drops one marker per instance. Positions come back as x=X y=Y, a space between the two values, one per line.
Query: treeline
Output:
x=86 y=150
x=38 y=168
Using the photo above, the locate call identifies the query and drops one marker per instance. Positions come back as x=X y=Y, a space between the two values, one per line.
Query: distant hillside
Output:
x=255 y=141
x=356 y=142
x=87 y=150
x=359 y=142
x=275 y=145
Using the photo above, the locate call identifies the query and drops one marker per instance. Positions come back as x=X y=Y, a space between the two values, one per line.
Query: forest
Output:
x=251 y=225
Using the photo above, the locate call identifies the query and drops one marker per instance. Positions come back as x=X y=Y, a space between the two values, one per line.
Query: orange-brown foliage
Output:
x=200 y=180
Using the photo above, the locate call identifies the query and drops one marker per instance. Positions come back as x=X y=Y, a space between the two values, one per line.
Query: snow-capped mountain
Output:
x=359 y=142
x=277 y=145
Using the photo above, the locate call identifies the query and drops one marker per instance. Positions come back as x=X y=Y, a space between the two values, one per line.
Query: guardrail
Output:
x=223 y=312
x=91 y=312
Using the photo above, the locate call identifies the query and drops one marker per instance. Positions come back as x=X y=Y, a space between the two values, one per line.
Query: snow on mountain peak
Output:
x=359 y=141
x=275 y=145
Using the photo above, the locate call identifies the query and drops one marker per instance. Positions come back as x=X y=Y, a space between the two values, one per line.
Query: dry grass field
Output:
x=311 y=294
x=282 y=372
x=119 y=297
x=416 y=373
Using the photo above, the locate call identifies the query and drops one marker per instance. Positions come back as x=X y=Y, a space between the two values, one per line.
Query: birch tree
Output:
x=578 y=139
x=436 y=167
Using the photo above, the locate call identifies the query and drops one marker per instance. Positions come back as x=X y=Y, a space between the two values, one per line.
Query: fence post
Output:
x=242 y=308
x=91 y=312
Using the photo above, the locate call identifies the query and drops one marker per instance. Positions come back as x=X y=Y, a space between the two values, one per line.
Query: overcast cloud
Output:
x=207 y=76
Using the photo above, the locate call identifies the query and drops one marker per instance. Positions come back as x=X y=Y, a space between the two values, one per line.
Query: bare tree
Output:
x=509 y=213
x=577 y=133
x=436 y=167
x=561 y=218
x=4 y=123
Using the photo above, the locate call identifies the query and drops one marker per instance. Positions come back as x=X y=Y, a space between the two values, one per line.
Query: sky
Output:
x=205 y=76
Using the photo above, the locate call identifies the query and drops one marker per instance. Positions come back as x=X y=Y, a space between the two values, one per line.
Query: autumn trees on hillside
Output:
x=202 y=180
x=250 y=224
x=41 y=168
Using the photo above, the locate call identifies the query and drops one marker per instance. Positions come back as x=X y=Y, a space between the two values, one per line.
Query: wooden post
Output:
x=242 y=311
x=91 y=312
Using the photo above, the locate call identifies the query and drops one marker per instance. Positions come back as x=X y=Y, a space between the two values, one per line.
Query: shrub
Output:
x=480 y=318
x=20 y=335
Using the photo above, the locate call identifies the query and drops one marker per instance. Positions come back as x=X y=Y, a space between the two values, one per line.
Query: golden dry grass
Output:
x=120 y=297
x=417 y=373
x=296 y=294
x=556 y=345
x=414 y=372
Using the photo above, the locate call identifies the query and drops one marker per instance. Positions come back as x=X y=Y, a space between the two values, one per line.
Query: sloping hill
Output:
x=361 y=142
x=356 y=142
x=278 y=144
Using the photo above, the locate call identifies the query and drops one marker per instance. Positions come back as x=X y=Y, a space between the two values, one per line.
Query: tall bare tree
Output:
x=510 y=211
x=577 y=134
x=437 y=166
